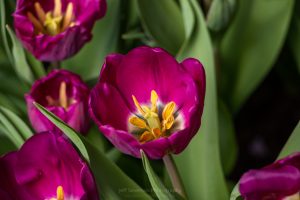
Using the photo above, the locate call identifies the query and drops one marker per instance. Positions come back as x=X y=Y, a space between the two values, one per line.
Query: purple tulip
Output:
x=147 y=100
x=62 y=93
x=54 y=30
x=278 y=181
x=46 y=167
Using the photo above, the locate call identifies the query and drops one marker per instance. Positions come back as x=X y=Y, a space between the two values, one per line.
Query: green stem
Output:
x=174 y=175
x=55 y=65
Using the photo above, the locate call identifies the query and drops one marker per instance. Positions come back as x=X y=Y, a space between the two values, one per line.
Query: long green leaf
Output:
x=228 y=144
x=20 y=125
x=66 y=129
x=10 y=131
x=160 y=190
x=112 y=182
x=88 y=61
x=21 y=65
x=200 y=164
x=251 y=45
x=3 y=31
x=164 y=22
x=294 y=34
x=293 y=143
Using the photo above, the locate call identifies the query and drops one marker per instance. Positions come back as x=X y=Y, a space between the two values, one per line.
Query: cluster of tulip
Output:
x=144 y=100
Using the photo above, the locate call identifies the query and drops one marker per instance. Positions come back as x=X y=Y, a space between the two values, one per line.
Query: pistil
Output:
x=59 y=194
x=153 y=123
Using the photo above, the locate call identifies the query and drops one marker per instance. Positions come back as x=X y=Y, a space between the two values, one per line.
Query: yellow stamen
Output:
x=146 y=136
x=138 y=122
x=168 y=110
x=36 y=23
x=137 y=105
x=40 y=12
x=68 y=17
x=63 y=98
x=57 y=8
x=60 y=193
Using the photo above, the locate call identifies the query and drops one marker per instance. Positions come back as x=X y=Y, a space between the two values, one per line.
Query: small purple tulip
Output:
x=147 y=100
x=46 y=167
x=278 y=181
x=63 y=93
x=53 y=30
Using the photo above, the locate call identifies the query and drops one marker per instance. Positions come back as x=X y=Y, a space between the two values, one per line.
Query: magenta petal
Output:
x=43 y=163
x=275 y=183
x=107 y=107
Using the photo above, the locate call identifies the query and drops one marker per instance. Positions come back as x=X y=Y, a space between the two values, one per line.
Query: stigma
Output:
x=153 y=121
x=52 y=22
x=59 y=194
x=63 y=99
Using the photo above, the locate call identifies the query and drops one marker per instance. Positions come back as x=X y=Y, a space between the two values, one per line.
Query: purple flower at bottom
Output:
x=63 y=93
x=278 y=181
x=147 y=100
x=53 y=30
x=46 y=167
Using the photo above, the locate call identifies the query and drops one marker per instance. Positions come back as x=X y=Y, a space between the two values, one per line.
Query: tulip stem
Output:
x=174 y=175
x=55 y=65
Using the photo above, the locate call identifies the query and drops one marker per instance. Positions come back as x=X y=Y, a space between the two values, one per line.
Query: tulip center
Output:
x=52 y=22
x=63 y=100
x=293 y=197
x=59 y=194
x=153 y=123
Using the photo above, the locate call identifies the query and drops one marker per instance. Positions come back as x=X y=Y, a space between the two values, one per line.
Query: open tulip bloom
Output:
x=278 y=181
x=47 y=167
x=63 y=93
x=53 y=30
x=146 y=100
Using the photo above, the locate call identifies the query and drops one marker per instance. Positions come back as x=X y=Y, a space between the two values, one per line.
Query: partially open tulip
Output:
x=47 y=167
x=278 y=181
x=63 y=93
x=54 y=30
x=147 y=100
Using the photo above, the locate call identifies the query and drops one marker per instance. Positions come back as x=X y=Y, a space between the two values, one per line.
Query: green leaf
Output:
x=22 y=127
x=3 y=31
x=293 y=143
x=36 y=66
x=294 y=34
x=188 y=18
x=158 y=187
x=235 y=194
x=66 y=129
x=220 y=13
x=88 y=61
x=251 y=45
x=21 y=65
x=200 y=164
x=228 y=144
x=5 y=144
x=164 y=22
x=111 y=181
x=10 y=130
